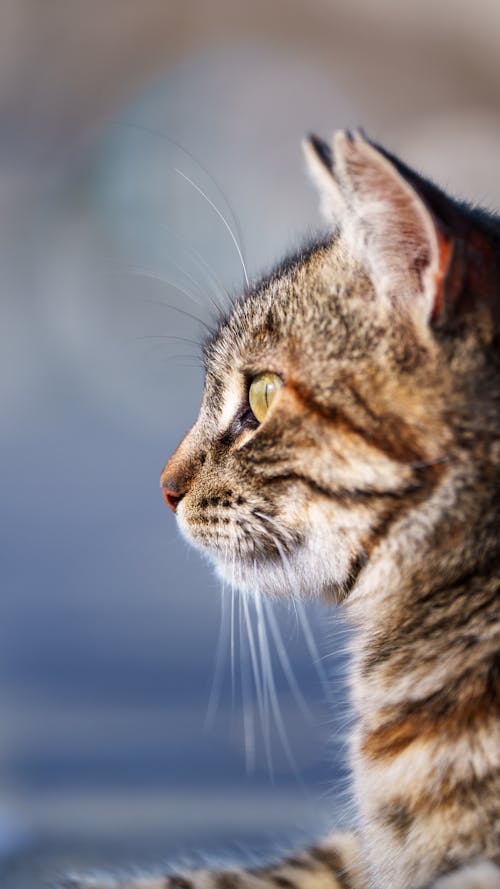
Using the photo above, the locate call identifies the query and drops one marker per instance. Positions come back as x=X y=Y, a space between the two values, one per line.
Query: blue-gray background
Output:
x=109 y=624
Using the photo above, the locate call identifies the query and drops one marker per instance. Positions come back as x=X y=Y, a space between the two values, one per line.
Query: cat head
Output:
x=344 y=390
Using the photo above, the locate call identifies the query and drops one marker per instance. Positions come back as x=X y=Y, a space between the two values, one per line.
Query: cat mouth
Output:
x=243 y=548
x=247 y=532
x=259 y=565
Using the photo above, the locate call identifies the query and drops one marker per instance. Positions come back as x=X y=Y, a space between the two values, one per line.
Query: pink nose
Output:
x=171 y=497
x=177 y=475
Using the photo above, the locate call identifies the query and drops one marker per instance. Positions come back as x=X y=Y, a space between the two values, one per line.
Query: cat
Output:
x=349 y=438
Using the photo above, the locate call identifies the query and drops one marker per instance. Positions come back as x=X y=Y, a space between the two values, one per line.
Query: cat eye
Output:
x=262 y=392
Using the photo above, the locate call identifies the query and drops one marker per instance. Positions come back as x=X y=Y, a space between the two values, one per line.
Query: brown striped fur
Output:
x=373 y=481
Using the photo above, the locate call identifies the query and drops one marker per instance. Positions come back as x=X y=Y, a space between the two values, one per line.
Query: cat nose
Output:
x=178 y=473
x=172 y=497
x=175 y=482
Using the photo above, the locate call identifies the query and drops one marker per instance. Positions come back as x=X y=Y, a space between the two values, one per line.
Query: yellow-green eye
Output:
x=262 y=392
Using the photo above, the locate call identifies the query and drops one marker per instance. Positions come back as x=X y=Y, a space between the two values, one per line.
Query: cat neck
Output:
x=404 y=609
x=426 y=689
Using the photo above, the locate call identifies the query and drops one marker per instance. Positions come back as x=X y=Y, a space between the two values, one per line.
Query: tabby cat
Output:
x=349 y=436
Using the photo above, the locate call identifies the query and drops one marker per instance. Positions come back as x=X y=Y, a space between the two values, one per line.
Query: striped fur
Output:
x=334 y=864
x=373 y=482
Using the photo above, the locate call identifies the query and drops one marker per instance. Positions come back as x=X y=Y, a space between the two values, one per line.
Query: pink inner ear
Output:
x=445 y=247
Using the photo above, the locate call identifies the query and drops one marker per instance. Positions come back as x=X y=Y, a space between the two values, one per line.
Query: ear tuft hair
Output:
x=322 y=149
x=320 y=165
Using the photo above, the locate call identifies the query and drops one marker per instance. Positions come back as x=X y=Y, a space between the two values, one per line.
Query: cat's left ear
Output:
x=386 y=222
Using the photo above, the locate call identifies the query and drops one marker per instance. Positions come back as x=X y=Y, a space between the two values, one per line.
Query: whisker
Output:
x=232 y=645
x=261 y=633
x=164 y=304
x=160 y=134
x=183 y=360
x=255 y=664
x=272 y=694
x=248 y=723
x=313 y=648
x=193 y=359
x=301 y=613
x=285 y=662
x=183 y=363
x=202 y=293
x=162 y=279
x=278 y=719
x=215 y=692
x=166 y=336
x=283 y=531
x=196 y=292
x=205 y=268
x=224 y=220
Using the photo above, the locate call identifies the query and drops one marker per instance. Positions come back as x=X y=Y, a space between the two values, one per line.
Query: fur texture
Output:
x=373 y=482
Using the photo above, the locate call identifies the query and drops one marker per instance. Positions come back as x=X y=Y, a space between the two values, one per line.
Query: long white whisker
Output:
x=312 y=647
x=231 y=621
x=215 y=692
x=278 y=717
x=248 y=723
x=285 y=662
x=278 y=639
x=152 y=131
x=261 y=632
x=256 y=665
x=306 y=628
x=222 y=217
x=273 y=695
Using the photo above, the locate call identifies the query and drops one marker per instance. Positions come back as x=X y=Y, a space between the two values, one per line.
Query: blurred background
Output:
x=134 y=136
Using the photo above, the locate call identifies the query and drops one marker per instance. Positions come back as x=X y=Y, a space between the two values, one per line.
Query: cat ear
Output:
x=386 y=224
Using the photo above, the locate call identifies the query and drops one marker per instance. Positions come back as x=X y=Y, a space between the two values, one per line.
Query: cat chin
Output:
x=301 y=578
x=306 y=571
